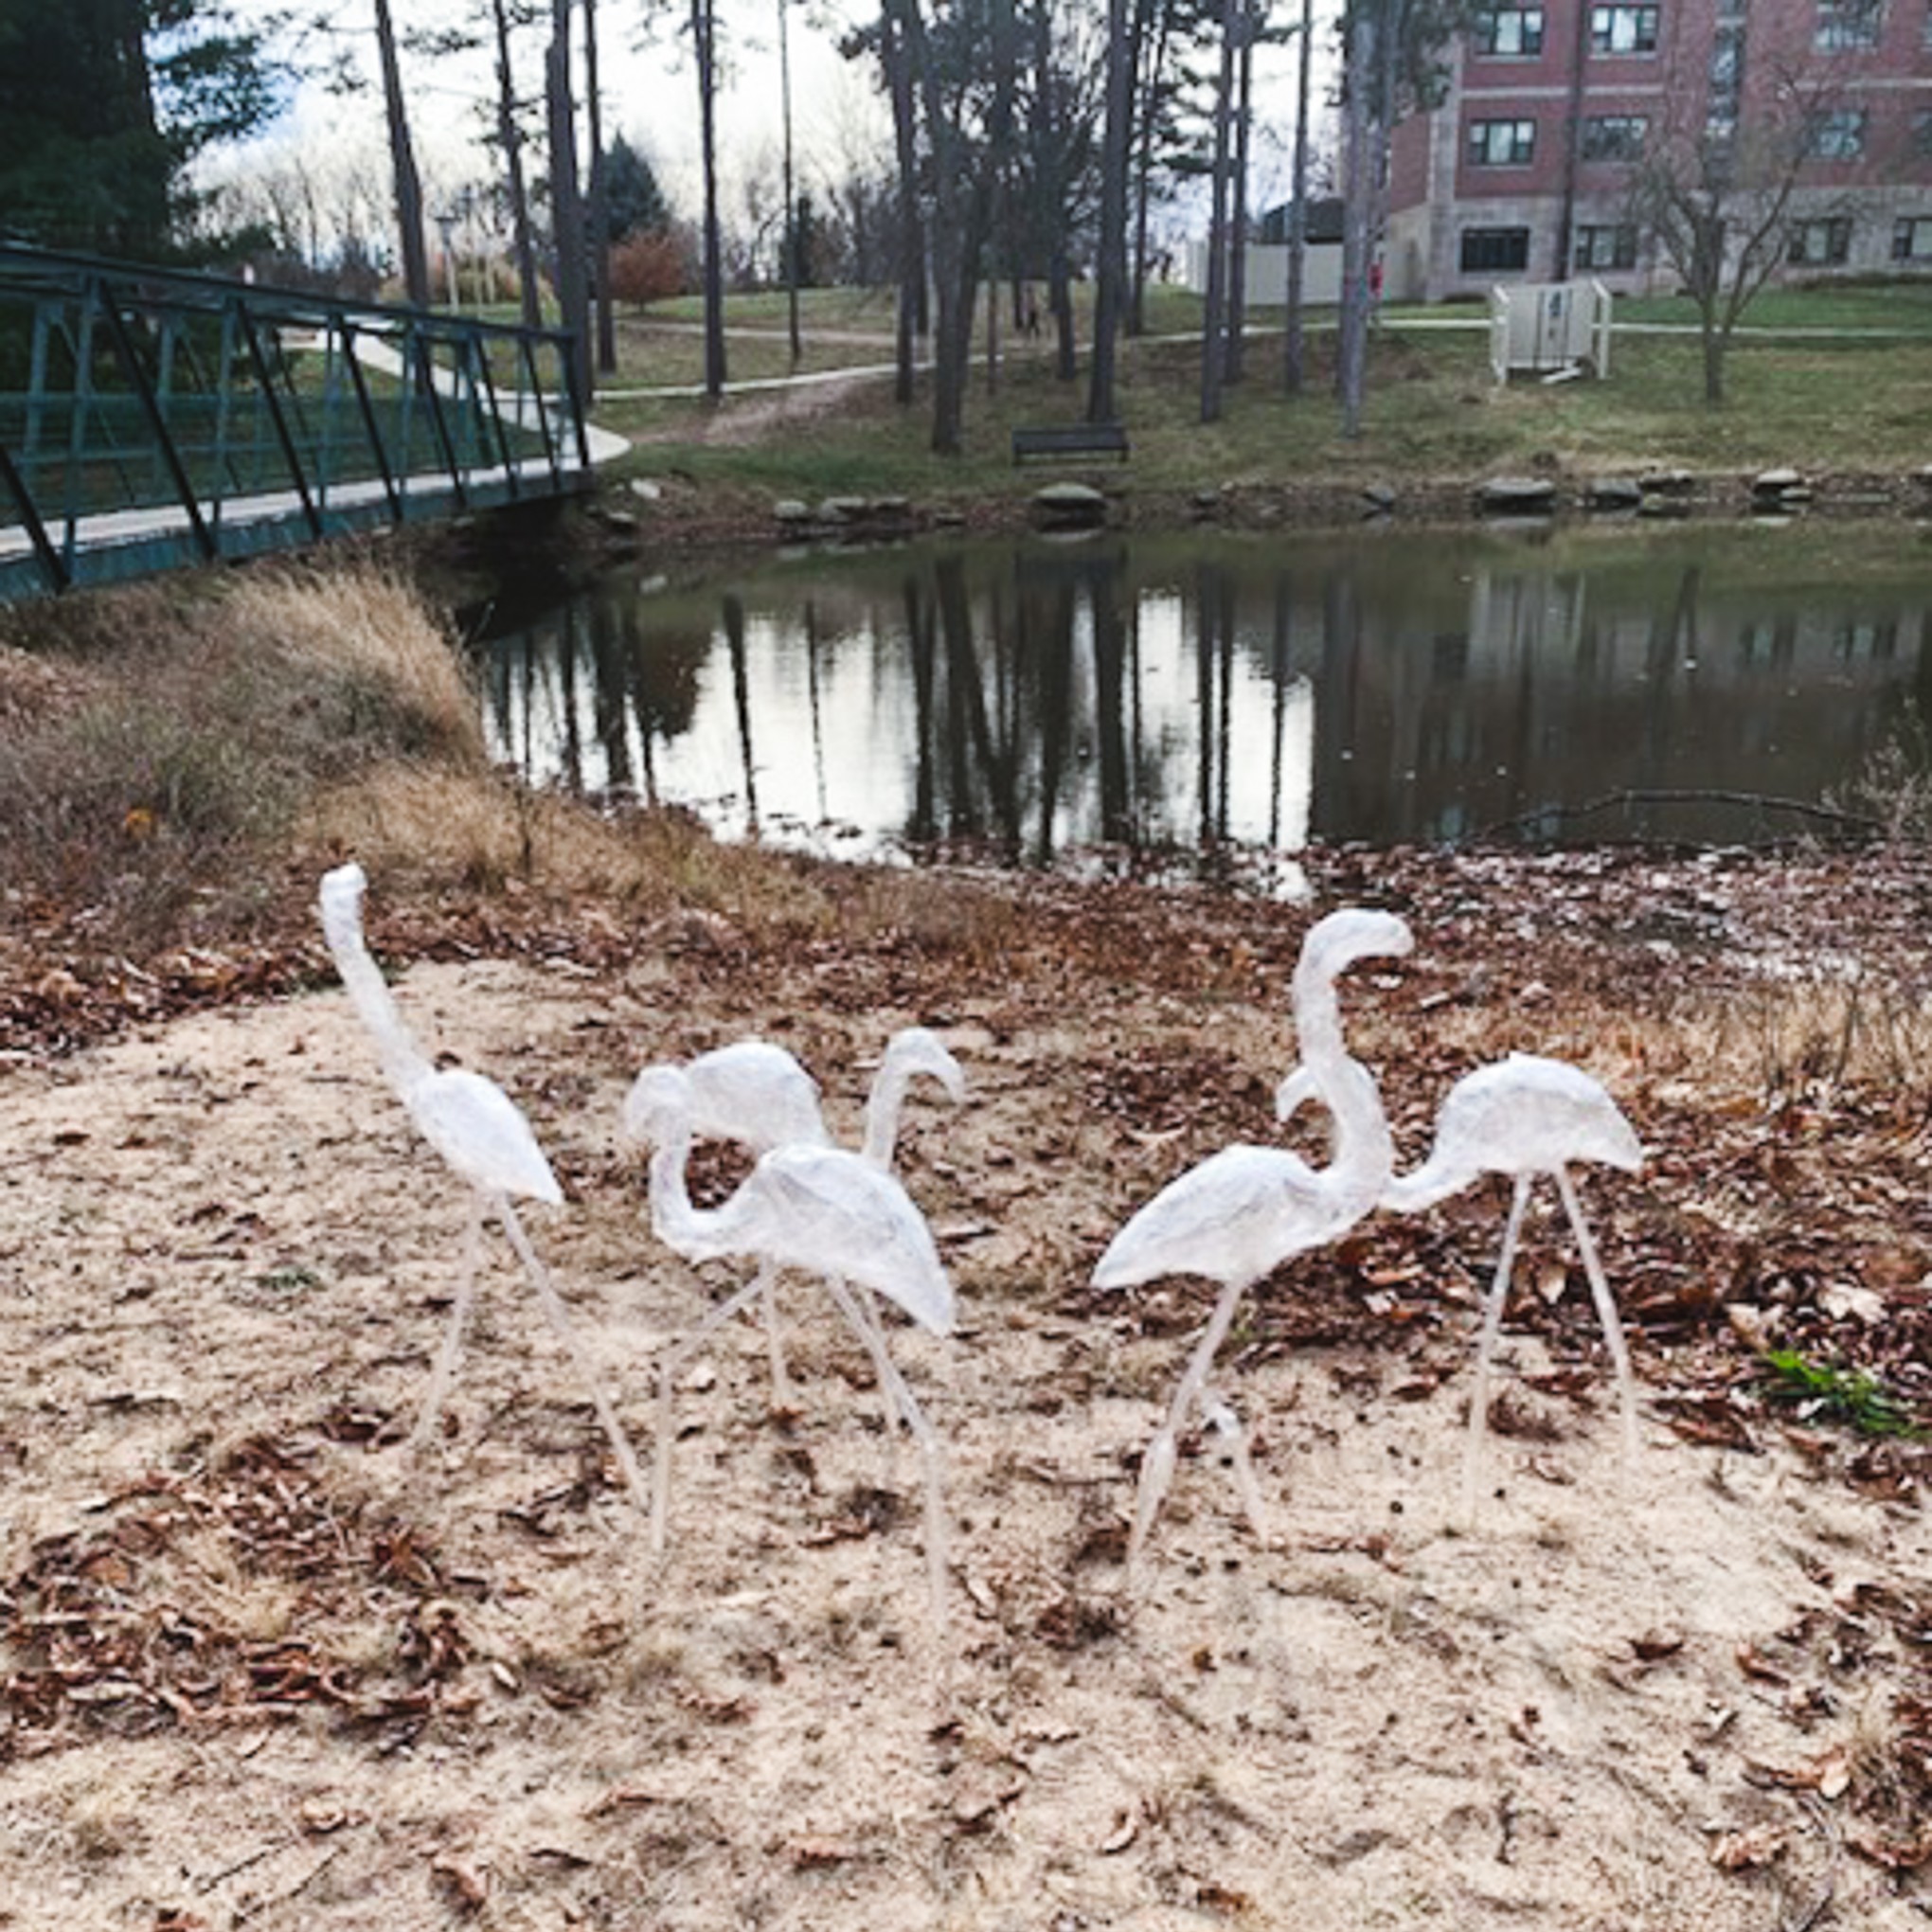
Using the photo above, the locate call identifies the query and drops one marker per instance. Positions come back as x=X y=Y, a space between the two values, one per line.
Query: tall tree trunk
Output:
x=1214 y=316
x=704 y=47
x=1049 y=151
x=403 y=162
x=1294 y=371
x=1110 y=295
x=961 y=204
x=1237 y=247
x=510 y=135
x=1359 y=203
x=791 y=227
x=1147 y=82
x=950 y=243
x=598 y=203
x=567 y=201
x=896 y=53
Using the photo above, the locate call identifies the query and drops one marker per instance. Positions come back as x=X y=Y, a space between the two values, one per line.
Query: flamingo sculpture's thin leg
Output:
x=560 y=1321
x=1157 y=1463
x=452 y=1350
x=1486 y=1348
x=774 y=1345
x=1606 y=1314
x=866 y=1303
x=1227 y=1425
x=865 y=1326
x=674 y=1359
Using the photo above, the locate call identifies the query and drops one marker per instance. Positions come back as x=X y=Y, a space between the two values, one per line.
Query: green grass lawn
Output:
x=1432 y=408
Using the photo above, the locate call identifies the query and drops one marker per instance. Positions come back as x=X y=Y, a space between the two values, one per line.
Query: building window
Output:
x=1512 y=32
x=1922 y=132
x=1502 y=143
x=1911 y=238
x=1820 y=244
x=1623 y=29
x=1606 y=246
x=1838 y=134
x=1847 y=25
x=1726 y=78
x=1495 y=251
x=1614 y=136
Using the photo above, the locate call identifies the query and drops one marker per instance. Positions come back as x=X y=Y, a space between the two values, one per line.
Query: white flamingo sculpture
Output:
x=1244 y=1211
x=756 y=1093
x=1526 y=1116
x=479 y=1131
x=817 y=1209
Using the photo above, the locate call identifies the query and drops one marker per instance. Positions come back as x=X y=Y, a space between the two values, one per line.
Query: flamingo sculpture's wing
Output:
x=482 y=1133
x=1522 y=1115
x=1232 y=1218
x=755 y=1092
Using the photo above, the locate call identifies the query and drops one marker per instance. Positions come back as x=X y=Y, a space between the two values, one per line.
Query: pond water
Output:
x=1045 y=699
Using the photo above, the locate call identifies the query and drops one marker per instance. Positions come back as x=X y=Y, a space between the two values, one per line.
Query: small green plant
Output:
x=1841 y=1395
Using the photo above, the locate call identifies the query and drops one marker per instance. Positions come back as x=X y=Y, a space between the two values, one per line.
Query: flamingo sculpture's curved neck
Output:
x=341 y=905
x=1364 y=1148
x=908 y=1053
x=883 y=1107
x=1442 y=1175
x=673 y=1220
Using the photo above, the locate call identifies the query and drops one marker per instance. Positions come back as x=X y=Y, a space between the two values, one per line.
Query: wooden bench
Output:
x=1070 y=439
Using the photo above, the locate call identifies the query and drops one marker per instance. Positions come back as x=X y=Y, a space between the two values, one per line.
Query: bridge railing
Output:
x=150 y=418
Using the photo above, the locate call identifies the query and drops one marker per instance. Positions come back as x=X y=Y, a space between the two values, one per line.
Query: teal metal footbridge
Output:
x=152 y=419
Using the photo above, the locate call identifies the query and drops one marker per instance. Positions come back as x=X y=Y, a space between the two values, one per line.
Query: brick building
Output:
x=1553 y=108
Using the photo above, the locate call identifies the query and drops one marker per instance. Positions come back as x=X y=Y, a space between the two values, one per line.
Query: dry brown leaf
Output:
x=814 y=1854
x=1754 y=1663
x=1895 y=1854
x=468 y=1885
x=1747 y=1850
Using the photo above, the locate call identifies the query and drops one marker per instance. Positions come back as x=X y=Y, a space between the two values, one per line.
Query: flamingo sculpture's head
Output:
x=657 y=1110
x=1334 y=943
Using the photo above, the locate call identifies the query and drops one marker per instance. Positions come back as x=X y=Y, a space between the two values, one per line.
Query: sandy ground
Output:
x=263 y=1671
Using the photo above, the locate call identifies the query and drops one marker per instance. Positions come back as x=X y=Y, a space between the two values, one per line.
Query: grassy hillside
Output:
x=1833 y=381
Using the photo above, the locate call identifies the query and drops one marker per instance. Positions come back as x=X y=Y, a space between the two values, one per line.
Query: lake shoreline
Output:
x=644 y=513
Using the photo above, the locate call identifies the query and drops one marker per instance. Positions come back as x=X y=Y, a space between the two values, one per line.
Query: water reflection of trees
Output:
x=1039 y=697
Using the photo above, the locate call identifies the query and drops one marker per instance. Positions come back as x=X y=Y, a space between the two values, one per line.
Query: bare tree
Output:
x=567 y=201
x=705 y=53
x=598 y=204
x=968 y=128
x=1110 y=303
x=1250 y=25
x=403 y=160
x=1715 y=197
x=895 y=51
x=1214 y=310
x=1294 y=368
x=510 y=138
x=791 y=239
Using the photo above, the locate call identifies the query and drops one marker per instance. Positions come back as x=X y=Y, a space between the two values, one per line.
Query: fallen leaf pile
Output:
x=144 y=1623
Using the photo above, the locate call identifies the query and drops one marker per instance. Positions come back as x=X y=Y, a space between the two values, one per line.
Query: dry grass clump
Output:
x=1786 y=1038
x=156 y=746
x=380 y=669
x=478 y=829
